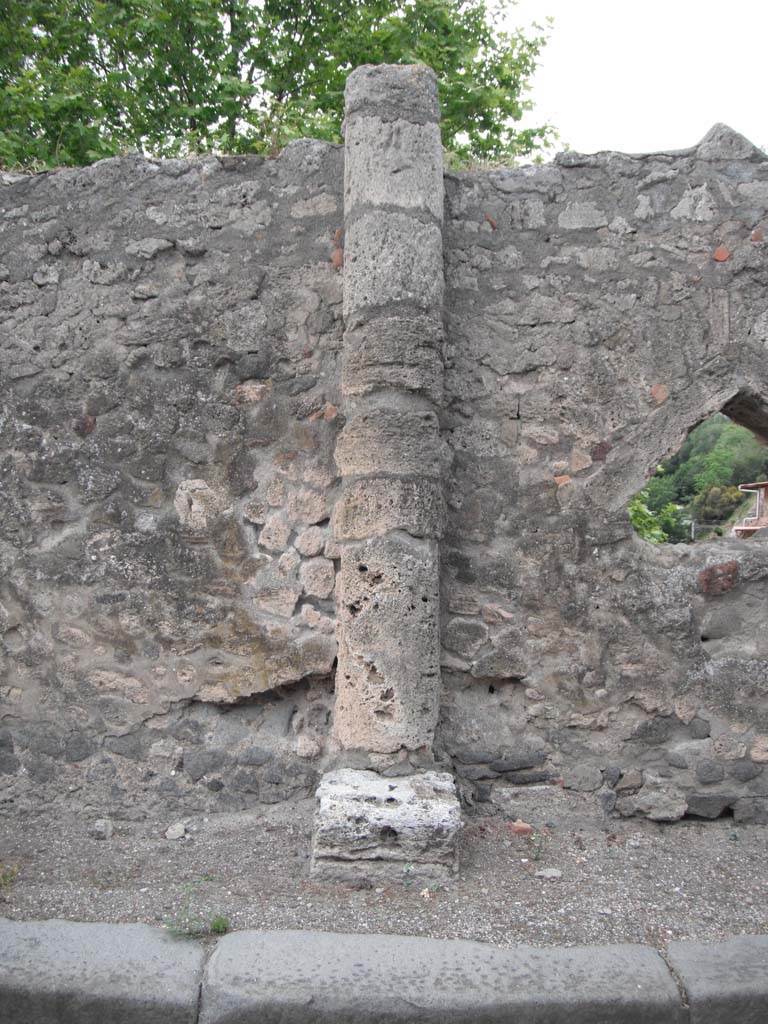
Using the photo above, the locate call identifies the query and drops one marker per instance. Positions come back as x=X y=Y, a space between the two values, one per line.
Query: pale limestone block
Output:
x=317 y=577
x=275 y=533
x=577 y=216
x=369 y=827
x=311 y=541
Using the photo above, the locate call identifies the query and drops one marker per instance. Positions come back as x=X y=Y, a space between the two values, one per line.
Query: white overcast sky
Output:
x=650 y=75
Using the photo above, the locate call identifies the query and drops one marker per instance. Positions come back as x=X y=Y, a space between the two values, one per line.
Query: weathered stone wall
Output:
x=169 y=361
x=172 y=458
x=597 y=309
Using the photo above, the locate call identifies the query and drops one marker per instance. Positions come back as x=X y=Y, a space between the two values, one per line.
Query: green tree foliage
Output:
x=671 y=523
x=83 y=79
x=675 y=521
x=660 y=491
x=716 y=504
x=645 y=523
x=700 y=482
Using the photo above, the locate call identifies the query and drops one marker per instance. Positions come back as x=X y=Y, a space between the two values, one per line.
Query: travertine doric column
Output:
x=389 y=519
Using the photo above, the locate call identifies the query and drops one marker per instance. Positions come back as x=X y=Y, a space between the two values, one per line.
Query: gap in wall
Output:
x=694 y=494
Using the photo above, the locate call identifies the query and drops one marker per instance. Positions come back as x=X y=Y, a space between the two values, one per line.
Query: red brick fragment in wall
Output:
x=659 y=393
x=84 y=425
x=600 y=451
x=337 y=256
x=721 y=254
x=758 y=235
x=328 y=412
x=719 y=579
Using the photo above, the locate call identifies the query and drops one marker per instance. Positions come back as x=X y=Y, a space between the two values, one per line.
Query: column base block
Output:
x=378 y=830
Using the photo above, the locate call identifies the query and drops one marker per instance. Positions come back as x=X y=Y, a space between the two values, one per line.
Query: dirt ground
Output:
x=620 y=881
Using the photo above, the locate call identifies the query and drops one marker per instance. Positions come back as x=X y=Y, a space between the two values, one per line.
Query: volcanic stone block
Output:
x=392 y=258
x=393 y=163
x=709 y=771
x=273 y=593
x=317 y=577
x=658 y=801
x=723 y=143
x=505 y=661
x=368 y=827
x=708 y=805
x=390 y=441
x=390 y=90
x=57 y=972
x=751 y=809
x=369 y=507
x=388 y=676
x=724 y=981
x=311 y=541
x=394 y=351
x=301 y=977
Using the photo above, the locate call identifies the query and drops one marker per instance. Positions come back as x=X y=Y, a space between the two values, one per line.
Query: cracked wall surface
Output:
x=597 y=309
x=170 y=341
x=173 y=446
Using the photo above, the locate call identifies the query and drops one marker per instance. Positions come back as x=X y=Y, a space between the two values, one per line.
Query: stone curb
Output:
x=726 y=982
x=62 y=972
x=57 y=972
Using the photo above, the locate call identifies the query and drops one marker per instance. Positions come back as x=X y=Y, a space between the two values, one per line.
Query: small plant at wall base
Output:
x=187 y=923
x=8 y=875
x=86 y=79
x=699 y=484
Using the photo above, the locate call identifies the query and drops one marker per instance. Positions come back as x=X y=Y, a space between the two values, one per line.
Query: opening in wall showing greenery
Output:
x=694 y=495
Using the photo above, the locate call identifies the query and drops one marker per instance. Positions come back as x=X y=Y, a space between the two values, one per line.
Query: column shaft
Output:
x=389 y=519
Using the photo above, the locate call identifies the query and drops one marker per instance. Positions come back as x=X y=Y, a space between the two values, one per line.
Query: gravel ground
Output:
x=620 y=881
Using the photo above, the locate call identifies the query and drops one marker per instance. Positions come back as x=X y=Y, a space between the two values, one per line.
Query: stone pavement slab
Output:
x=62 y=972
x=324 y=978
x=726 y=982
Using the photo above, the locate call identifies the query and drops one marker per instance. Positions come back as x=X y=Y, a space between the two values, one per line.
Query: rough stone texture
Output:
x=387 y=679
x=725 y=981
x=372 y=507
x=174 y=382
x=656 y=800
x=391 y=257
x=389 y=453
x=589 y=326
x=583 y=778
x=392 y=92
x=169 y=348
x=391 y=442
x=297 y=977
x=393 y=163
x=62 y=972
x=399 y=352
x=369 y=828
x=57 y=972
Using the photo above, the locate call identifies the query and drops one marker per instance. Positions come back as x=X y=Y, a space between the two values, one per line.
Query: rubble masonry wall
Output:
x=182 y=424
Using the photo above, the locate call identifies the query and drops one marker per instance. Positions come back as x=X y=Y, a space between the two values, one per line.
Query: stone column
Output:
x=389 y=519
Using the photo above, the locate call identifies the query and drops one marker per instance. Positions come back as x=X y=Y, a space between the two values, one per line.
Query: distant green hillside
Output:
x=700 y=483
